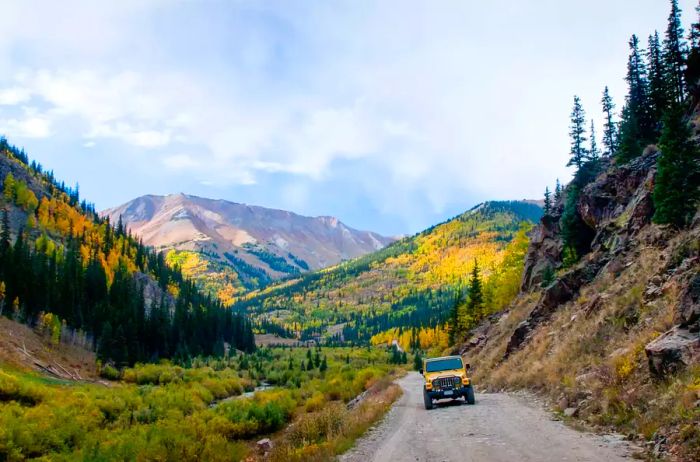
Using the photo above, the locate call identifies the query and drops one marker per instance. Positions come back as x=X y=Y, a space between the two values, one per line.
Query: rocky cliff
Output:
x=613 y=339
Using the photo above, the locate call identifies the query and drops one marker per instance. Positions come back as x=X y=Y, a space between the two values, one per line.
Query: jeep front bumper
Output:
x=457 y=392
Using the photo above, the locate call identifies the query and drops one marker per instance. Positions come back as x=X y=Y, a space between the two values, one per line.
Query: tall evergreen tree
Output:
x=675 y=54
x=676 y=190
x=547 y=202
x=637 y=126
x=557 y=192
x=659 y=91
x=475 y=302
x=577 y=132
x=610 y=127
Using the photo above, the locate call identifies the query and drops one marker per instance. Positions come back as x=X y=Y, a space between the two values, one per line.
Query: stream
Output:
x=248 y=394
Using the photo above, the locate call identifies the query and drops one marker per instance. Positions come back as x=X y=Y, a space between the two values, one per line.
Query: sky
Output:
x=392 y=115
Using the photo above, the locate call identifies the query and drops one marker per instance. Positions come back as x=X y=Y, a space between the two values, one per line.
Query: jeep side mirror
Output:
x=420 y=371
x=467 y=367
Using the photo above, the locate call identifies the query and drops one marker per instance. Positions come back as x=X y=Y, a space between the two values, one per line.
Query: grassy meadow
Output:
x=203 y=410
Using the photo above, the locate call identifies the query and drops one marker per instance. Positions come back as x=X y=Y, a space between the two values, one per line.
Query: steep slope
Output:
x=412 y=283
x=248 y=245
x=613 y=338
x=66 y=272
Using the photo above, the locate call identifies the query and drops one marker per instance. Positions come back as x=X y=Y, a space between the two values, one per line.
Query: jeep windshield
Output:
x=443 y=364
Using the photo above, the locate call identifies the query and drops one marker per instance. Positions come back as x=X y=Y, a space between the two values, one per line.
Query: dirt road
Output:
x=499 y=427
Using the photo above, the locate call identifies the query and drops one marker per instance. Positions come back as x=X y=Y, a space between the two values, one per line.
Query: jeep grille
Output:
x=446 y=383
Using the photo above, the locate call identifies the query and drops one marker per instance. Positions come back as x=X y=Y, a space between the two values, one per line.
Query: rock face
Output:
x=545 y=251
x=615 y=206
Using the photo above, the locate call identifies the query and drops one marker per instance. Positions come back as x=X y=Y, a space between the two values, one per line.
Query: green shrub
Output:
x=110 y=373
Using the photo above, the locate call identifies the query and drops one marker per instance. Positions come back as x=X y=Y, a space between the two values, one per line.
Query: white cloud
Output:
x=13 y=95
x=30 y=124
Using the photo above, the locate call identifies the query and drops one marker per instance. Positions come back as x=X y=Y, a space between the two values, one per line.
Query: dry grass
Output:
x=20 y=346
x=323 y=434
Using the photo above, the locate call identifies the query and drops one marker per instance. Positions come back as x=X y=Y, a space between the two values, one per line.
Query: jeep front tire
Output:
x=427 y=400
x=469 y=395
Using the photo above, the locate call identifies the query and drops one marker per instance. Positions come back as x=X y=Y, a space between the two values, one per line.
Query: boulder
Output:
x=673 y=351
x=571 y=412
x=264 y=445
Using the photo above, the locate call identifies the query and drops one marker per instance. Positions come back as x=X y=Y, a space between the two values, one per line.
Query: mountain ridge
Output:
x=241 y=246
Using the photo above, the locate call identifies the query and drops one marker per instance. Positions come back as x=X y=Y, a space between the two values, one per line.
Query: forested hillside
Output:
x=413 y=285
x=68 y=271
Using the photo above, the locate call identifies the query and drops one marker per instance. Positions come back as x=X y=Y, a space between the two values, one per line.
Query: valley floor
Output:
x=500 y=427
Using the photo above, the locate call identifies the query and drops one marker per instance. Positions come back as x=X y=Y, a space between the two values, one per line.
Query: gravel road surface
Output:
x=500 y=427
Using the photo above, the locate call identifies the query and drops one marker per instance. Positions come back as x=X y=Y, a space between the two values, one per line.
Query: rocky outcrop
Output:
x=673 y=351
x=610 y=195
x=545 y=251
x=615 y=206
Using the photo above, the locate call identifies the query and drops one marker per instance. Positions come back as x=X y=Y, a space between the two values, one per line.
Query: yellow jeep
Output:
x=446 y=378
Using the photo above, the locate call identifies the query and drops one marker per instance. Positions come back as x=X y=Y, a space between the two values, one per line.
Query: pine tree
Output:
x=658 y=84
x=610 y=127
x=676 y=192
x=324 y=365
x=675 y=54
x=577 y=132
x=637 y=126
x=475 y=302
x=557 y=192
x=417 y=361
x=547 y=202
x=593 y=152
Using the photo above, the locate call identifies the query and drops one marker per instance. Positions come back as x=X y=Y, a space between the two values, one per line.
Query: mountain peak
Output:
x=263 y=243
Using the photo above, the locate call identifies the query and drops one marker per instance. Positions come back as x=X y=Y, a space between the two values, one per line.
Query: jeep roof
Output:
x=442 y=357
